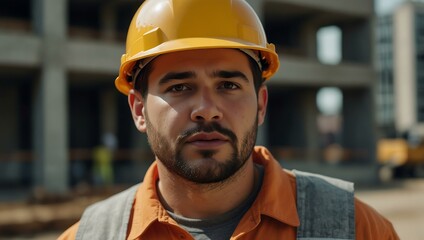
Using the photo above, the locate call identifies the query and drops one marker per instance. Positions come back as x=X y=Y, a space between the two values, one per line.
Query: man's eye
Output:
x=178 y=88
x=229 y=85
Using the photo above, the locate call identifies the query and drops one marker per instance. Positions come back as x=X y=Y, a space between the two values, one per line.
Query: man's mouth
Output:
x=207 y=140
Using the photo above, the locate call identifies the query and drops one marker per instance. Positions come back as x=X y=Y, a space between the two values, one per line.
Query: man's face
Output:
x=201 y=112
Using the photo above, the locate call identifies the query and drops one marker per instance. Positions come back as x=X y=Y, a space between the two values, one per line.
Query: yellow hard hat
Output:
x=164 y=26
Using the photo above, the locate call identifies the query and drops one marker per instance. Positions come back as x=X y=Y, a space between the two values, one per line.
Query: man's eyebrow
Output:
x=230 y=74
x=176 y=76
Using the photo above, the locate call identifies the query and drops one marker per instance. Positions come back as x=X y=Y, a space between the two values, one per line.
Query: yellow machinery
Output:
x=399 y=154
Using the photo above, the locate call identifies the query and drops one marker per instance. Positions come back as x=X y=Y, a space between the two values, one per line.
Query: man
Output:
x=193 y=73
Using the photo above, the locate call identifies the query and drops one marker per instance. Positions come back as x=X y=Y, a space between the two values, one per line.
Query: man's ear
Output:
x=262 y=103
x=136 y=102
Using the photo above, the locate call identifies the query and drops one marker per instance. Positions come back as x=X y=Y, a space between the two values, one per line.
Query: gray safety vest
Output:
x=325 y=207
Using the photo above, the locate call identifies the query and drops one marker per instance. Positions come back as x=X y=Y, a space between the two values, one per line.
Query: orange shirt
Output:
x=273 y=215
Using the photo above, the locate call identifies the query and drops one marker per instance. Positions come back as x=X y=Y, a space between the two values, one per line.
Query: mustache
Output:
x=207 y=127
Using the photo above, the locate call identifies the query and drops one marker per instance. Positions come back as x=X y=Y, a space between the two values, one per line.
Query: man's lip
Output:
x=213 y=136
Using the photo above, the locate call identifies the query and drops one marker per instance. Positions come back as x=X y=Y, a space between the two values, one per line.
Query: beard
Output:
x=206 y=169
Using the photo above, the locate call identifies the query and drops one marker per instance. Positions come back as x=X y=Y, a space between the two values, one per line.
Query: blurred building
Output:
x=58 y=61
x=293 y=114
x=401 y=68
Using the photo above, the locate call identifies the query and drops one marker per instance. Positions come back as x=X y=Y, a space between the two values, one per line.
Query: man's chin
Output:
x=207 y=170
x=201 y=164
x=207 y=155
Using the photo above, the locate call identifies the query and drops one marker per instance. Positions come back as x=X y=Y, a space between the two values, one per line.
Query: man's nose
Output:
x=206 y=108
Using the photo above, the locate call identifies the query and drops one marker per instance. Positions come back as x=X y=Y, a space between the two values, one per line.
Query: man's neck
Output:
x=202 y=201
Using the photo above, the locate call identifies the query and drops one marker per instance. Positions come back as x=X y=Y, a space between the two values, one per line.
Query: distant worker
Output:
x=194 y=73
x=103 y=160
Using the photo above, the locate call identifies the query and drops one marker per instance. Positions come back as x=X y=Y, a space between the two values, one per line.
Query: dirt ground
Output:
x=45 y=216
x=402 y=202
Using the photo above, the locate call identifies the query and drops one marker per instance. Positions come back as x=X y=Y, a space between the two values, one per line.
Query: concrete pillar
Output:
x=292 y=117
x=359 y=130
x=309 y=115
x=357 y=42
x=108 y=111
x=108 y=20
x=50 y=103
x=309 y=39
x=405 y=68
x=9 y=123
x=10 y=134
x=283 y=117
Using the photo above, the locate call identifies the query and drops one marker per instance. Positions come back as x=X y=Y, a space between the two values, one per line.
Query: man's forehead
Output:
x=187 y=60
x=213 y=53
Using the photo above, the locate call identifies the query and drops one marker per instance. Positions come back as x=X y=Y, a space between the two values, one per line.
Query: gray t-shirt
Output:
x=223 y=226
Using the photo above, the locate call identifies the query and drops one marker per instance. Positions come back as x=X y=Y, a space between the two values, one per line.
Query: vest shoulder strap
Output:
x=112 y=214
x=325 y=206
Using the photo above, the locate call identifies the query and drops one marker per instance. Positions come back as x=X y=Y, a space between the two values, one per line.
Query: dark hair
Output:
x=141 y=83
x=258 y=80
